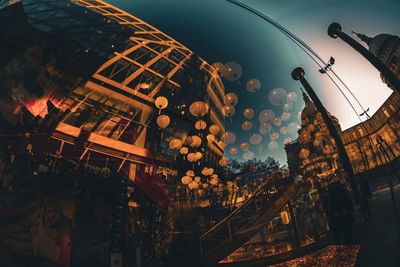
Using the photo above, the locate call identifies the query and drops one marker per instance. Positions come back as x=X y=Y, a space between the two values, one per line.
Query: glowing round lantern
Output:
x=193 y=185
x=231 y=99
x=248 y=113
x=205 y=185
x=191 y=157
x=249 y=155
x=200 y=125
x=204 y=171
x=199 y=155
x=304 y=153
x=274 y=136
x=214 y=129
x=214 y=176
x=233 y=150
x=196 y=141
x=247 y=125
x=188 y=140
x=283 y=130
x=253 y=85
x=223 y=161
x=161 y=102
x=214 y=181
x=228 y=111
x=277 y=121
x=266 y=115
x=272 y=145
x=210 y=171
x=285 y=116
x=163 y=121
x=186 y=180
x=244 y=146
x=190 y=173
x=199 y=108
x=229 y=137
x=175 y=144
x=197 y=179
x=184 y=150
x=255 y=139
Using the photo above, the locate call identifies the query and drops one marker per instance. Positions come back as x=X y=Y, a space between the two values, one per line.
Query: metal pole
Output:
x=335 y=30
x=298 y=74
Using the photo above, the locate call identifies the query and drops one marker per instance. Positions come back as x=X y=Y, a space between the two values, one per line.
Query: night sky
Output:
x=219 y=31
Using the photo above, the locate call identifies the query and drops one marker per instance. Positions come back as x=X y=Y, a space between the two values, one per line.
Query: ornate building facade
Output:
x=373 y=146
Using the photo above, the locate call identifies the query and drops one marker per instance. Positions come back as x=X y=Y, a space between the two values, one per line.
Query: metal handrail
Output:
x=245 y=204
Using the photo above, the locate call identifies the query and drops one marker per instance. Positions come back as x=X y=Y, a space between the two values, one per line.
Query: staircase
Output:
x=243 y=223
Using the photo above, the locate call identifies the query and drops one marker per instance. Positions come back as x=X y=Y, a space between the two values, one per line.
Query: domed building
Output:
x=386 y=48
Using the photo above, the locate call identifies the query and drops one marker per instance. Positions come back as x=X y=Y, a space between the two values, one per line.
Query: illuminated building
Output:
x=103 y=69
x=370 y=145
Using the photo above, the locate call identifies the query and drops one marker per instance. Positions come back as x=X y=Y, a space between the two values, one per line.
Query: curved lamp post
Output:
x=335 y=30
x=298 y=75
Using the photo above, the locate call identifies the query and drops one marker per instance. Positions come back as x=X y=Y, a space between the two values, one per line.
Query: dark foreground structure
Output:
x=112 y=152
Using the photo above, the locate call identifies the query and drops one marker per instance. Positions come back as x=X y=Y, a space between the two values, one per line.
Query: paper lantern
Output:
x=210 y=171
x=191 y=157
x=193 y=185
x=266 y=115
x=253 y=85
x=199 y=155
x=196 y=141
x=199 y=108
x=233 y=150
x=277 y=121
x=188 y=140
x=190 y=173
x=214 y=129
x=175 y=144
x=205 y=185
x=184 y=150
x=186 y=180
x=200 y=125
x=283 y=130
x=197 y=179
x=248 y=113
x=163 y=121
x=244 y=146
x=304 y=153
x=247 y=125
x=214 y=176
x=210 y=138
x=228 y=111
x=231 y=99
x=255 y=139
x=161 y=102
x=274 y=136
x=285 y=217
x=204 y=171
x=214 y=181
x=229 y=137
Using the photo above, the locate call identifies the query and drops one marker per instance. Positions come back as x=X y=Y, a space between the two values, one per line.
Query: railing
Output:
x=244 y=222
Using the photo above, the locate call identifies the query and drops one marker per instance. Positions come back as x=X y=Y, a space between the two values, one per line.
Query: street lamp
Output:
x=335 y=30
x=298 y=75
